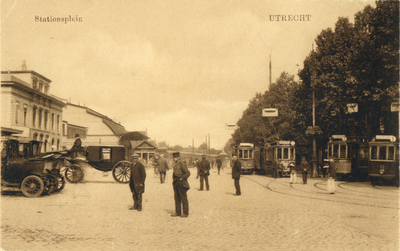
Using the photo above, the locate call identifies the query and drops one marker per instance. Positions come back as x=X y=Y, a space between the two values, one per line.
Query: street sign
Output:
x=230 y=127
x=270 y=112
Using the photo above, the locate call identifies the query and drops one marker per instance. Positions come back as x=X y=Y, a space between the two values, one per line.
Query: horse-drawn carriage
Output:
x=102 y=158
x=24 y=168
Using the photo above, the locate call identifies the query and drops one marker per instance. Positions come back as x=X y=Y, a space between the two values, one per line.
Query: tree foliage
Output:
x=352 y=63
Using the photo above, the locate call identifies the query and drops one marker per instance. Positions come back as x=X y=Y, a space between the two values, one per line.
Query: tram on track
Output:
x=277 y=156
x=350 y=155
x=384 y=160
x=245 y=154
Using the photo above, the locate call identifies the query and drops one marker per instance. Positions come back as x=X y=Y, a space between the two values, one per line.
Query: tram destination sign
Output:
x=270 y=112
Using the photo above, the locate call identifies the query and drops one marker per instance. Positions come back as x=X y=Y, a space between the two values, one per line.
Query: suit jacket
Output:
x=162 y=165
x=138 y=176
x=180 y=172
x=204 y=167
x=236 y=169
x=304 y=166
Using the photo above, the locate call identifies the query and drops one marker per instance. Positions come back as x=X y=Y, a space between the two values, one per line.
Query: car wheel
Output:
x=32 y=186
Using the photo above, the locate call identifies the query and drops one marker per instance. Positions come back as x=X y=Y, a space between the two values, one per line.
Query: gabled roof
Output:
x=137 y=143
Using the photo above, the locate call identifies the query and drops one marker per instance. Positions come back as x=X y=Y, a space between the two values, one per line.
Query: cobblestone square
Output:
x=271 y=214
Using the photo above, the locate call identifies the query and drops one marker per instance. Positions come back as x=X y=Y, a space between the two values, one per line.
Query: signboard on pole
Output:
x=270 y=112
x=353 y=107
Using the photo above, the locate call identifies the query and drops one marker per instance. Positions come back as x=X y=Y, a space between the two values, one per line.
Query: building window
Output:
x=25 y=113
x=58 y=123
x=58 y=144
x=34 y=83
x=34 y=116
x=46 y=89
x=46 y=115
x=63 y=130
x=40 y=117
x=41 y=86
x=16 y=112
x=52 y=122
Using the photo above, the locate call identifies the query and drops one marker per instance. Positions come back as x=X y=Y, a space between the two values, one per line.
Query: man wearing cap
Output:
x=236 y=171
x=180 y=185
x=204 y=173
x=136 y=182
x=162 y=167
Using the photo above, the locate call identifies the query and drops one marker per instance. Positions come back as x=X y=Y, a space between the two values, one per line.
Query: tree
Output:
x=253 y=128
x=162 y=144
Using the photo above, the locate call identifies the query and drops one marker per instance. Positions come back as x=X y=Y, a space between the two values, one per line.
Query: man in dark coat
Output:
x=136 y=182
x=204 y=172
x=305 y=167
x=162 y=167
x=181 y=185
x=236 y=171
x=219 y=164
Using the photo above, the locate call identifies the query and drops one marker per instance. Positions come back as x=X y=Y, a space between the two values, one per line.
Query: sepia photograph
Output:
x=200 y=125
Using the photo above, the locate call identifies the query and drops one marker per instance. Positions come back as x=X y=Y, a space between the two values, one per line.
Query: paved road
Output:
x=271 y=214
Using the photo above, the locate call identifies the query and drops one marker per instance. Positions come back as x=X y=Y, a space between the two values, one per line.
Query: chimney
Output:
x=24 y=68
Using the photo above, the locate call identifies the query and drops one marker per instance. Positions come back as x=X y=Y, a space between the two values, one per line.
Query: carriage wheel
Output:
x=74 y=173
x=122 y=171
x=51 y=185
x=32 y=186
x=61 y=183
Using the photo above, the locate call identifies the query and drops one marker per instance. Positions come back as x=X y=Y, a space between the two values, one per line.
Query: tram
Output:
x=245 y=153
x=350 y=156
x=277 y=156
x=384 y=159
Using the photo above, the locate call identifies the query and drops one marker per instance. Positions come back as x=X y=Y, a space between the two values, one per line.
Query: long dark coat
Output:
x=138 y=176
x=304 y=166
x=204 y=167
x=236 y=169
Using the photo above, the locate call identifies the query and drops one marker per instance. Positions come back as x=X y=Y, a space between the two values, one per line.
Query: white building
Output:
x=28 y=108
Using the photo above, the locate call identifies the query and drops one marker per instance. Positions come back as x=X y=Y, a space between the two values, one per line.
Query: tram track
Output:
x=355 y=199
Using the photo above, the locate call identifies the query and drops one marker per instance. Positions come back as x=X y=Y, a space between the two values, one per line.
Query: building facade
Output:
x=28 y=107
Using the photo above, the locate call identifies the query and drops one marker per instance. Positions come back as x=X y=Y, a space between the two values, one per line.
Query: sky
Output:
x=179 y=69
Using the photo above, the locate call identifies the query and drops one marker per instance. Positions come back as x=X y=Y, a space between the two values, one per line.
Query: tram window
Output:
x=285 y=153
x=292 y=153
x=246 y=154
x=391 y=153
x=374 y=152
x=279 y=153
x=240 y=153
x=342 y=151
x=336 y=151
x=251 y=154
x=382 y=152
x=349 y=149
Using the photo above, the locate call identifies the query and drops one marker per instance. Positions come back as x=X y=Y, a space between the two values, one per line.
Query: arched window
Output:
x=25 y=113
x=34 y=116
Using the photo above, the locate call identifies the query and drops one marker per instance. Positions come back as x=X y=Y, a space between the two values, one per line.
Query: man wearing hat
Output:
x=181 y=185
x=136 y=182
x=162 y=167
x=204 y=172
x=236 y=171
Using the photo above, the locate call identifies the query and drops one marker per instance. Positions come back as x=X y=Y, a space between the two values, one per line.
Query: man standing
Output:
x=236 y=171
x=219 y=164
x=162 y=167
x=204 y=172
x=180 y=185
x=304 y=166
x=136 y=182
